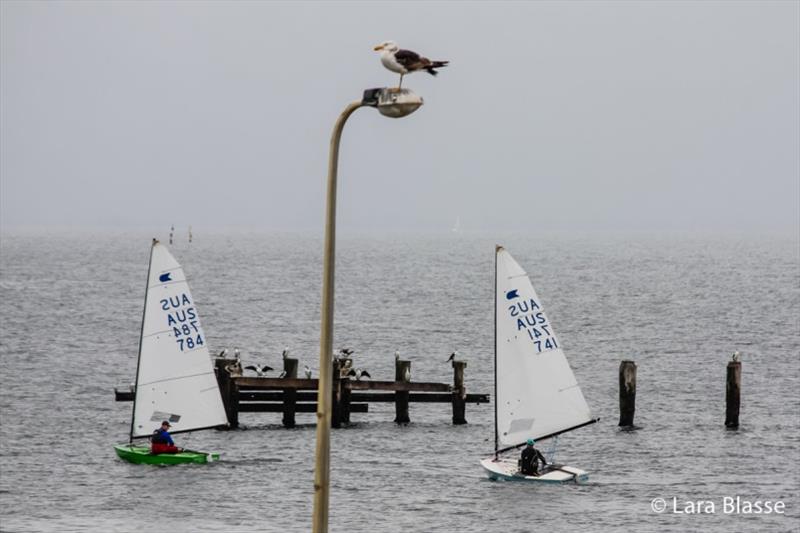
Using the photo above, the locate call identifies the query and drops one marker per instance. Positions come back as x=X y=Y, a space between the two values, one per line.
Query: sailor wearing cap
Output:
x=161 y=441
x=529 y=464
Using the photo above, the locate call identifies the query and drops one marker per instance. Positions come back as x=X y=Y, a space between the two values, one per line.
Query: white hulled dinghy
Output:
x=175 y=378
x=536 y=394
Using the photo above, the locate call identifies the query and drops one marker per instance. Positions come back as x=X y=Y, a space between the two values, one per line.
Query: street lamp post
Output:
x=393 y=103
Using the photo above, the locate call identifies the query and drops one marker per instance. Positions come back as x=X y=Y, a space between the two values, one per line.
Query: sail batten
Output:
x=175 y=378
x=537 y=393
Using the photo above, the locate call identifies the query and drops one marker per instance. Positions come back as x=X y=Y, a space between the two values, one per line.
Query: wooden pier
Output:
x=289 y=395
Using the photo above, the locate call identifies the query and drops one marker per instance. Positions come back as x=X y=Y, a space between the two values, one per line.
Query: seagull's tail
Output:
x=435 y=65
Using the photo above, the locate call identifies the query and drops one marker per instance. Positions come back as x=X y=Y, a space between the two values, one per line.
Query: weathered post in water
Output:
x=228 y=390
x=402 y=372
x=733 y=389
x=289 y=395
x=459 y=393
x=627 y=392
x=336 y=394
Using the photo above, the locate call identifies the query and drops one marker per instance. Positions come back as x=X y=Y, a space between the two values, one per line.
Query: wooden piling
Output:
x=345 y=405
x=289 y=395
x=627 y=392
x=459 y=393
x=733 y=388
x=228 y=390
x=402 y=372
x=336 y=394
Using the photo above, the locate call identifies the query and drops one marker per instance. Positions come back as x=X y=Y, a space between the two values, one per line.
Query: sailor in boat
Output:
x=161 y=441
x=529 y=464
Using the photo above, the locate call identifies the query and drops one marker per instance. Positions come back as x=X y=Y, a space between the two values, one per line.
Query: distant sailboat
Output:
x=457 y=225
x=175 y=378
x=536 y=394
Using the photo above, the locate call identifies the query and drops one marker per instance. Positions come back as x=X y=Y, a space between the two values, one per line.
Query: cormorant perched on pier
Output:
x=358 y=373
x=343 y=353
x=234 y=368
x=223 y=353
x=452 y=356
x=260 y=370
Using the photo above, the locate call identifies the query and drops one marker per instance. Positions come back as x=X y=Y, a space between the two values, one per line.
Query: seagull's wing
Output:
x=266 y=368
x=251 y=367
x=365 y=373
x=410 y=60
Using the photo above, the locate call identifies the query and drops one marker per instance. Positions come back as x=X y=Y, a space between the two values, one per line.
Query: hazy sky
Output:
x=551 y=116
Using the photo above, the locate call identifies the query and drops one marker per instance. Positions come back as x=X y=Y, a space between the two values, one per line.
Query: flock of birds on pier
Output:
x=343 y=355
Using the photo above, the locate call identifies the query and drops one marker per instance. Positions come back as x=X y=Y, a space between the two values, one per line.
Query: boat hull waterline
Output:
x=142 y=455
x=508 y=470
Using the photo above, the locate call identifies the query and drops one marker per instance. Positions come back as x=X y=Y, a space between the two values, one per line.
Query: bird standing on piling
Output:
x=307 y=371
x=285 y=353
x=397 y=355
x=223 y=353
x=406 y=61
x=735 y=357
x=452 y=356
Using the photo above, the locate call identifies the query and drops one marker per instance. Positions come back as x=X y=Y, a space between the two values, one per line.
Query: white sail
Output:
x=175 y=379
x=537 y=394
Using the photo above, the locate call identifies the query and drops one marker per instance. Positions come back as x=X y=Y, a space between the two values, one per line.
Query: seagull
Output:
x=260 y=370
x=397 y=355
x=307 y=371
x=282 y=374
x=452 y=356
x=407 y=374
x=285 y=353
x=735 y=357
x=358 y=373
x=223 y=353
x=405 y=61
x=236 y=352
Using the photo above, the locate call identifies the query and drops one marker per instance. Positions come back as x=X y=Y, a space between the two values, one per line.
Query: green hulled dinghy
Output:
x=175 y=378
x=142 y=455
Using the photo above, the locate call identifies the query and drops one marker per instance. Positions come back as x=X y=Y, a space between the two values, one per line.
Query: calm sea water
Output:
x=71 y=307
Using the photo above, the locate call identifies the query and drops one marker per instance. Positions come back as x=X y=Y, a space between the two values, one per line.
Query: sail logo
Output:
x=510 y=295
x=530 y=317
x=163 y=278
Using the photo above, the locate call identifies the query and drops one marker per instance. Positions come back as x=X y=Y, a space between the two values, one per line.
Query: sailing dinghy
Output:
x=175 y=379
x=536 y=394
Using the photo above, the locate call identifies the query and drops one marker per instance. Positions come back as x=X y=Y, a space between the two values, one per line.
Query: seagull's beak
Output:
x=379 y=47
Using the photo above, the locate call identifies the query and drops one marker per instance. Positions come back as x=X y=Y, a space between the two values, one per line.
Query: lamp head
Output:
x=392 y=102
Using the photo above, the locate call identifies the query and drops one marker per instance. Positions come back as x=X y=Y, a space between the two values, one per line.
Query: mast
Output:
x=497 y=249
x=141 y=335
